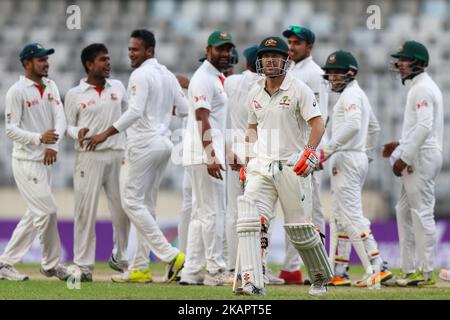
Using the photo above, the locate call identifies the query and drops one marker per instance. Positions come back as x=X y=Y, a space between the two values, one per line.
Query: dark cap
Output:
x=250 y=55
x=34 y=50
x=301 y=32
x=273 y=44
x=218 y=38
x=414 y=50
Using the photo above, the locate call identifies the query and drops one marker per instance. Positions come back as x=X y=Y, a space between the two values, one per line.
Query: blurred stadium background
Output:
x=182 y=27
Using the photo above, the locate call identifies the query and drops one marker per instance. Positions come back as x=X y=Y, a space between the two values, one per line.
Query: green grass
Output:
x=51 y=289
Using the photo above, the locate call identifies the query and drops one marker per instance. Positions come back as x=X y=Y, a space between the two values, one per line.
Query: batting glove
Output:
x=305 y=163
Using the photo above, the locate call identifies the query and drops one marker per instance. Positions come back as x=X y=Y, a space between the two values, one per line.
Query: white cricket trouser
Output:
x=33 y=180
x=234 y=189
x=268 y=182
x=206 y=228
x=292 y=260
x=185 y=215
x=95 y=171
x=348 y=174
x=415 y=212
x=140 y=179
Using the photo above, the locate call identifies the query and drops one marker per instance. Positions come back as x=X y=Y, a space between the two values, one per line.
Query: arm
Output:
x=71 y=110
x=317 y=131
x=59 y=118
x=13 y=116
x=181 y=104
x=372 y=134
x=251 y=136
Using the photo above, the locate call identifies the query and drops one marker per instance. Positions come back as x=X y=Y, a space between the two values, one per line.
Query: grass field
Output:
x=40 y=287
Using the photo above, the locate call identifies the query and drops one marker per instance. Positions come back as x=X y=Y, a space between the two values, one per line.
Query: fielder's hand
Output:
x=305 y=163
x=49 y=137
x=94 y=141
x=82 y=135
x=49 y=157
x=399 y=166
x=323 y=155
x=388 y=148
x=214 y=168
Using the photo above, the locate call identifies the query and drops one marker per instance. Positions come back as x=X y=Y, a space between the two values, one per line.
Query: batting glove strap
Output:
x=307 y=163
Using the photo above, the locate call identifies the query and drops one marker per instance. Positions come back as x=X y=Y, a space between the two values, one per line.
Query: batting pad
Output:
x=309 y=245
x=248 y=229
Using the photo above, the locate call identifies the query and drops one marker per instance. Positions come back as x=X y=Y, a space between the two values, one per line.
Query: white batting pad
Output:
x=308 y=243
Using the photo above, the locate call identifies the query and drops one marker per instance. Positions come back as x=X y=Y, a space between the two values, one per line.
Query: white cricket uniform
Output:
x=353 y=134
x=310 y=73
x=421 y=148
x=152 y=92
x=96 y=170
x=206 y=228
x=281 y=121
x=29 y=113
x=237 y=88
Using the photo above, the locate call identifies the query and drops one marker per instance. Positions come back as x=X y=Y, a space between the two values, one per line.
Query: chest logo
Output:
x=87 y=104
x=199 y=98
x=50 y=97
x=113 y=96
x=285 y=102
x=32 y=103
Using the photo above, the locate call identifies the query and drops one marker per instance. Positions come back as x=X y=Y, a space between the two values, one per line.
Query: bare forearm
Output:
x=317 y=131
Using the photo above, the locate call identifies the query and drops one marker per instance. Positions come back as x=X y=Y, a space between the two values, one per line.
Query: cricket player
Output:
x=303 y=67
x=35 y=122
x=417 y=160
x=92 y=107
x=153 y=91
x=237 y=88
x=281 y=108
x=204 y=158
x=353 y=135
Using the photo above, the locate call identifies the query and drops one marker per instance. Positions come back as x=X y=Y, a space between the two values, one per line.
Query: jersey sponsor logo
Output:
x=285 y=102
x=257 y=105
x=87 y=104
x=351 y=108
x=422 y=104
x=317 y=96
x=32 y=103
x=199 y=98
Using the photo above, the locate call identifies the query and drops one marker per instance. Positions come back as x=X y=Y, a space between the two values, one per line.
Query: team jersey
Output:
x=152 y=93
x=237 y=88
x=97 y=110
x=30 y=111
x=354 y=125
x=206 y=90
x=423 y=123
x=282 y=118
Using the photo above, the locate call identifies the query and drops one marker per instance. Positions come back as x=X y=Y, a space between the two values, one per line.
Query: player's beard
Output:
x=41 y=72
x=219 y=65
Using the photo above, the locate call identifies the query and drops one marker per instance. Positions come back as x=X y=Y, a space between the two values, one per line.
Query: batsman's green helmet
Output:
x=273 y=44
x=414 y=50
x=342 y=60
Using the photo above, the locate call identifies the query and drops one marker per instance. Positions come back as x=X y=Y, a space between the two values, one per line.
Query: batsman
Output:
x=281 y=110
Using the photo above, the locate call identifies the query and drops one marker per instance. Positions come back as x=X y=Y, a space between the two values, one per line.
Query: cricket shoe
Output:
x=133 y=276
x=368 y=280
x=250 y=290
x=219 y=278
x=192 y=279
x=270 y=278
x=410 y=280
x=61 y=272
x=318 y=288
x=428 y=283
x=294 y=277
x=120 y=266
x=174 y=267
x=445 y=274
x=8 y=272
x=343 y=281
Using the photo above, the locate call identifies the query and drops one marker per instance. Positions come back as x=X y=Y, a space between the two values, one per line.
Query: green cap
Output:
x=218 y=38
x=273 y=44
x=342 y=60
x=301 y=32
x=234 y=56
x=34 y=50
x=250 y=55
x=414 y=50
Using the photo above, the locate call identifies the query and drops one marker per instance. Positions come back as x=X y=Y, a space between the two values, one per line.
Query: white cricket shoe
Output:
x=270 y=278
x=445 y=274
x=192 y=279
x=318 y=288
x=219 y=278
x=250 y=290
x=8 y=272
x=61 y=272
